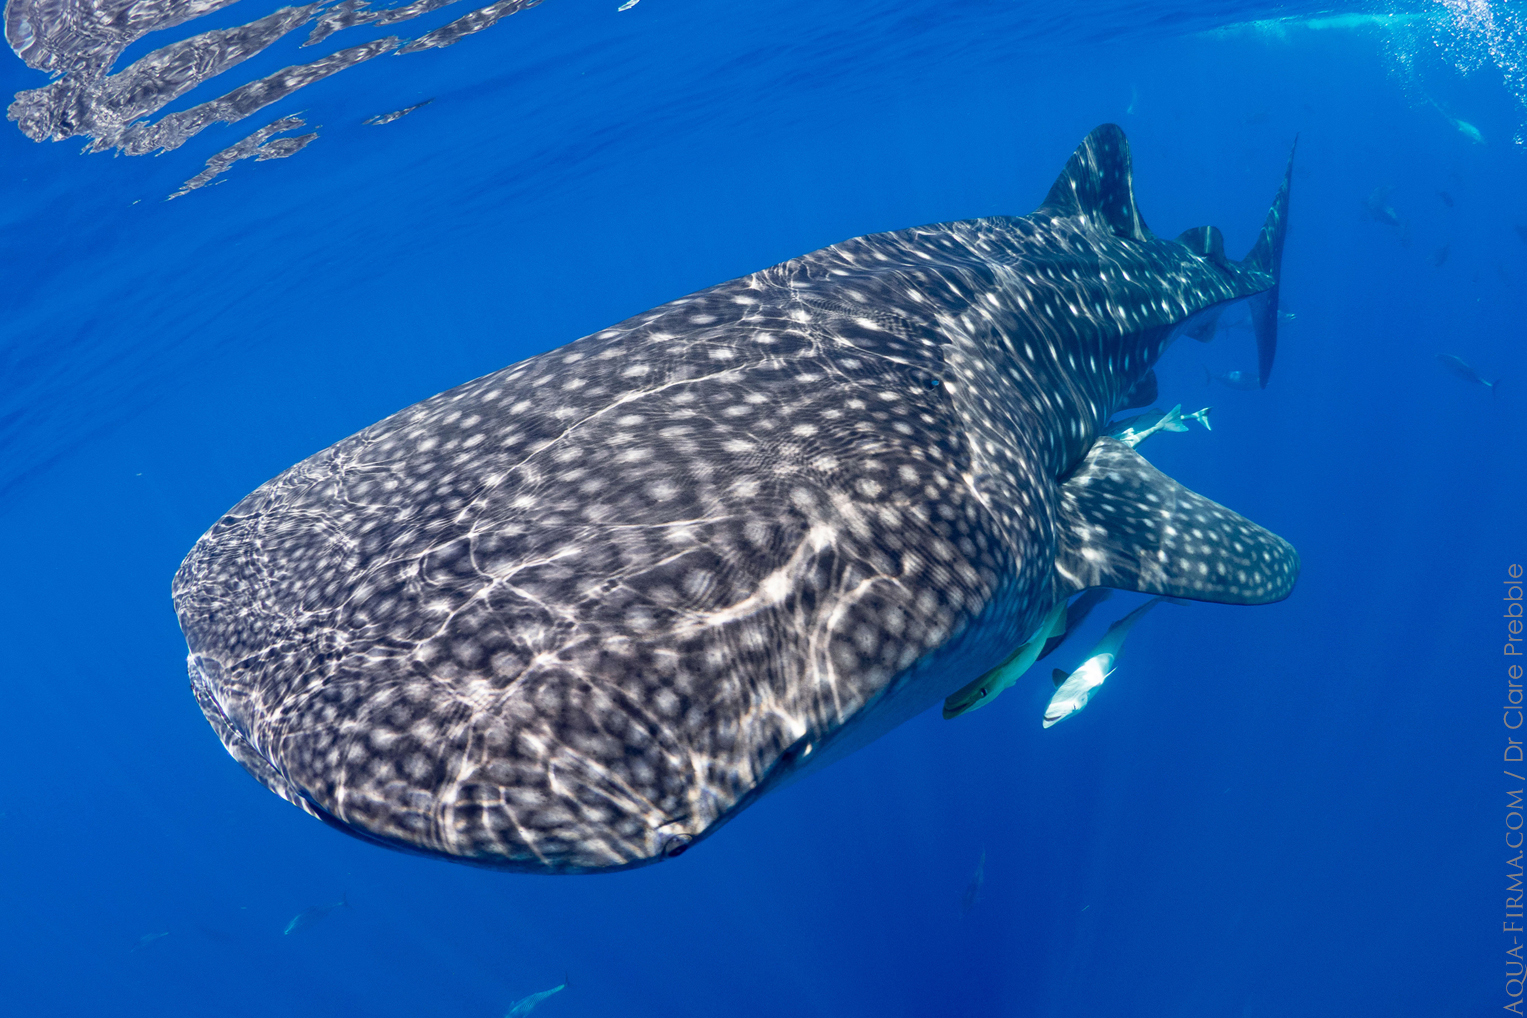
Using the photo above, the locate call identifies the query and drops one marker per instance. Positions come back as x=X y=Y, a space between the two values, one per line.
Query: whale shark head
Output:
x=574 y=615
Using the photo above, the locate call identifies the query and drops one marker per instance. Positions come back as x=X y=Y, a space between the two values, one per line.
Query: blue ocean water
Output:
x=1294 y=809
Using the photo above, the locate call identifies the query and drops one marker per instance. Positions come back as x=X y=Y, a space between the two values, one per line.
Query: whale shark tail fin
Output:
x=1267 y=256
x=1098 y=184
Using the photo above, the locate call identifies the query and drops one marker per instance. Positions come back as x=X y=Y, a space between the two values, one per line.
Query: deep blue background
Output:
x=1285 y=810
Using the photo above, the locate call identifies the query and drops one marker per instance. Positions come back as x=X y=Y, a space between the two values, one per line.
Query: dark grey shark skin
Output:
x=574 y=615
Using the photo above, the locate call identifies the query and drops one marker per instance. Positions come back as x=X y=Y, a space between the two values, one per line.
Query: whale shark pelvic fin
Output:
x=1205 y=241
x=1125 y=524
x=1143 y=394
x=1076 y=614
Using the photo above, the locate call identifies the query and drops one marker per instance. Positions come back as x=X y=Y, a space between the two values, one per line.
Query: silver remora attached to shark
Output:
x=576 y=614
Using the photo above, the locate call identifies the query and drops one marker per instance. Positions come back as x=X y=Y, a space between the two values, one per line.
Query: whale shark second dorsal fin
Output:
x=1058 y=677
x=1098 y=184
x=1124 y=524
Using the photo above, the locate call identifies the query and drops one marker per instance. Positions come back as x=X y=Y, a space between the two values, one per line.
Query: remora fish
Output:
x=972 y=892
x=313 y=913
x=1246 y=381
x=525 y=1005
x=1073 y=691
x=578 y=613
x=1134 y=430
x=988 y=686
x=1458 y=366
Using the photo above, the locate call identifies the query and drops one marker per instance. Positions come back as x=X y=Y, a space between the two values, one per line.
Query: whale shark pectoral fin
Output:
x=1098 y=184
x=1058 y=676
x=1125 y=524
x=1143 y=394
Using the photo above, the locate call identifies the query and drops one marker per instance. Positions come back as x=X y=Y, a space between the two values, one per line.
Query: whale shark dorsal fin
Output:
x=1144 y=392
x=1098 y=184
x=1206 y=242
x=1058 y=677
x=1125 y=524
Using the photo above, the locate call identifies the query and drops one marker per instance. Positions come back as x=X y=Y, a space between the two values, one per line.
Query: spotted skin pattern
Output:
x=574 y=615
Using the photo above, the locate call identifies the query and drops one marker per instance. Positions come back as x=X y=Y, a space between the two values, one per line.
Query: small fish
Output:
x=623 y=7
x=1246 y=381
x=990 y=685
x=147 y=939
x=1073 y=691
x=1244 y=321
x=1377 y=207
x=1134 y=430
x=1469 y=131
x=313 y=913
x=1202 y=417
x=1447 y=199
x=1457 y=366
x=1440 y=255
x=525 y=1005
x=972 y=892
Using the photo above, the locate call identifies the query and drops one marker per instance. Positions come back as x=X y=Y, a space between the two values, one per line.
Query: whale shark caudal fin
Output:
x=1098 y=184
x=1125 y=524
x=1267 y=256
x=1144 y=393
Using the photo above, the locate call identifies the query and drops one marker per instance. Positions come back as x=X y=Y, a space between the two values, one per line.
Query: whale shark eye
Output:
x=676 y=845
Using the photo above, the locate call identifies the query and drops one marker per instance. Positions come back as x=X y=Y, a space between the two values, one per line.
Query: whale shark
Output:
x=575 y=615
